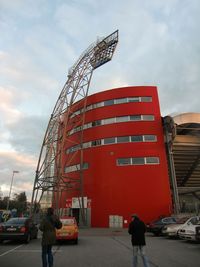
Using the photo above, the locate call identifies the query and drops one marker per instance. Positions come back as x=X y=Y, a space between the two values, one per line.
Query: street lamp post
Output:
x=11 y=189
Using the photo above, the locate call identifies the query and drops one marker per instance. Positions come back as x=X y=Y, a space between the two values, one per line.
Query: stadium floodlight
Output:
x=50 y=178
x=104 y=50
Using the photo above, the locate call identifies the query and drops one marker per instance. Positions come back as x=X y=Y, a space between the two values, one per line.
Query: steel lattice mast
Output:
x=50 y=176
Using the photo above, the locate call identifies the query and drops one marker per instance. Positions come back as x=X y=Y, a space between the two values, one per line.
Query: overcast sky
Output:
x=41 y=39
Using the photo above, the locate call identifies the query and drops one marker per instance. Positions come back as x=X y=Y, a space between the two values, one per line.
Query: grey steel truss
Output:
x=50 y=174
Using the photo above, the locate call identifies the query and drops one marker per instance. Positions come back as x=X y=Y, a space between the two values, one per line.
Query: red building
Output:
x=125 y=165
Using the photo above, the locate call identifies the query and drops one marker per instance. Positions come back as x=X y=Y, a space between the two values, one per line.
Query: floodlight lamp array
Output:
x=104 y=50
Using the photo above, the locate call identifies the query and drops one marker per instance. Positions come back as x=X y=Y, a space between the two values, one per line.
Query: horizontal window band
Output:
x=114 y=140
x=138 y=161
x=110 y=102
x=128 y=118
x=76 y=167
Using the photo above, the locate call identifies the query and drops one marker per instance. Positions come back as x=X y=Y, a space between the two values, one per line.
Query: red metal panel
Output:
x=123 y=190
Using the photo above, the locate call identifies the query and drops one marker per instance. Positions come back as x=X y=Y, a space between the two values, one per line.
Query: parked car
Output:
x=69 y=230
x=171 y=230
x=191 y=231
x=197 y=233
x=19 y=228
x=156 y=227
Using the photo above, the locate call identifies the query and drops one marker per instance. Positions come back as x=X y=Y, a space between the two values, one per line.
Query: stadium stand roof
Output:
x=186 y=152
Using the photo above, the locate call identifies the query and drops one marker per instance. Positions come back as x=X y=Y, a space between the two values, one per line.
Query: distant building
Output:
x=46 y=200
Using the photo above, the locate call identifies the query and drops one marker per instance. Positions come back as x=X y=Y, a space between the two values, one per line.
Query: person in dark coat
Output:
x=48 y=227
x=137 y=231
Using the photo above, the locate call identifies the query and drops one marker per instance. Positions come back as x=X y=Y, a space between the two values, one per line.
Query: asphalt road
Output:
x=102 y=248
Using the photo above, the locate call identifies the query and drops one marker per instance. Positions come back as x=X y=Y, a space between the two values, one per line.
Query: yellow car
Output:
x=69 y=230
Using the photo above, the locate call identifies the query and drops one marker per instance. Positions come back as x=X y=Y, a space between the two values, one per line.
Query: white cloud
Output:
x=8 y=110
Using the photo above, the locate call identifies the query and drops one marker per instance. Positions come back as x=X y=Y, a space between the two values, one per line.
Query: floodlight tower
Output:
x=50 y=175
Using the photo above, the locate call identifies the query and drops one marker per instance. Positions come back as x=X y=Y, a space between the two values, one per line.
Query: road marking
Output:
x=10 y=250
x=34 y=250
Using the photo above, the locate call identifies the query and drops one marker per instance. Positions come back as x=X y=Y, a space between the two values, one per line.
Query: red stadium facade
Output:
x=125 y=165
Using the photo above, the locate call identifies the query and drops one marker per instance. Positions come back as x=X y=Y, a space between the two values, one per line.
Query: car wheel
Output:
x=76 y=241
x=28 y=238
x=156 y=233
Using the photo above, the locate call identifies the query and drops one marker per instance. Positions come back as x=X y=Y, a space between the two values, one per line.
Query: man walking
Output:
x=47 y=226
x=137 y=231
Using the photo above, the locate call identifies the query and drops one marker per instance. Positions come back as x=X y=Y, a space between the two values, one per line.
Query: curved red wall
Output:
x=123 y=190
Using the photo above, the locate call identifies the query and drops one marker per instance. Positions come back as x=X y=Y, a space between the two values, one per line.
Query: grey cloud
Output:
x=23 y=181
x=26 y=134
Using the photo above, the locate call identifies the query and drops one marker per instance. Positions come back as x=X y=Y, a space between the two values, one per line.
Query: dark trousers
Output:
x=47 y=256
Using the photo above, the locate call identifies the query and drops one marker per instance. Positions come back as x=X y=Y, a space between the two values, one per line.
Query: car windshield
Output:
x=169 y=220
x=182 y=220
x=16 y=221
x=195 y=221
x=164 y=220
x=67 y=221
